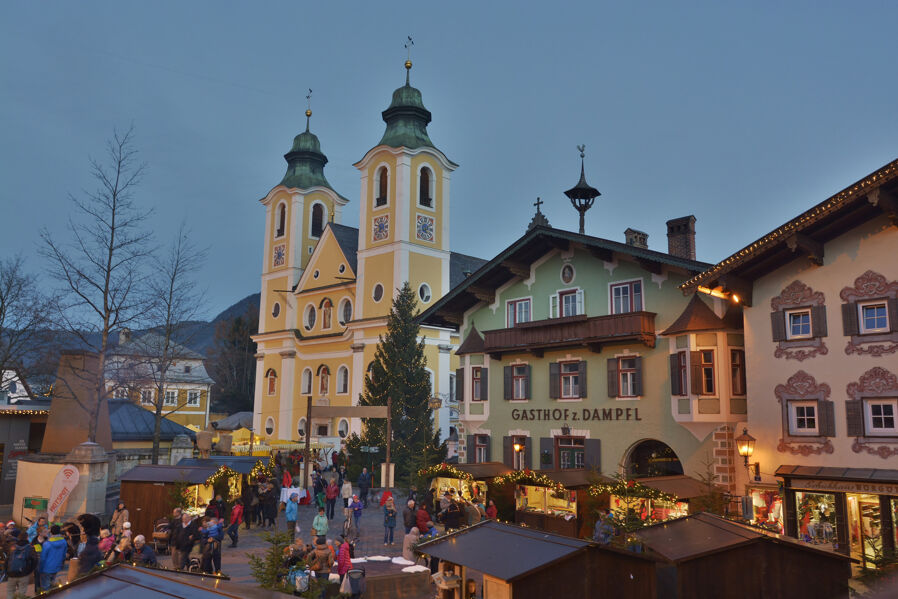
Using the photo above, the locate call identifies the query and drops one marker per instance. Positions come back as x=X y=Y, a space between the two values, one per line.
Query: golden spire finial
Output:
x=308 y=108
x=408 y=57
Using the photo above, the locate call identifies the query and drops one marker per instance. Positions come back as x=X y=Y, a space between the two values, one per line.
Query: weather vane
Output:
x=408 y=57
x=581 y=147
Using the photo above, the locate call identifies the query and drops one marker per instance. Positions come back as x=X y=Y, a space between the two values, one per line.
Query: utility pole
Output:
x=307 y=454
x=389 y=429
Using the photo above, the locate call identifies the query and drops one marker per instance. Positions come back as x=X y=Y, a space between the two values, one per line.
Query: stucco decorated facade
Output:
x=327 y=289
x=820 y=297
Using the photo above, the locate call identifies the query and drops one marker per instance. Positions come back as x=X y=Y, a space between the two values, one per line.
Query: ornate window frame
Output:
x=801 y=386
x=870 y=286
x=876 y=383
x=796 y=296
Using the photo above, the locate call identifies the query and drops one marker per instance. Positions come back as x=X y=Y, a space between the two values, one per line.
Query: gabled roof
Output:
x=123 y=581
x=142 y=355
x=827 y=220
x=130 y=422
x=696 y=316
x=242 y=464
x=473 y=344
x=163 y=473
x=151 y=344
x=701 y=534
x=534 y=244
x=461 y=266
x=235 y=421
x=348 y=240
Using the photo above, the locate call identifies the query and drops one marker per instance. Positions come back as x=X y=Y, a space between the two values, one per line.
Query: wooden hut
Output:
x=468 y=480
x=706 y=556
x=522 y=563
x=540 y=502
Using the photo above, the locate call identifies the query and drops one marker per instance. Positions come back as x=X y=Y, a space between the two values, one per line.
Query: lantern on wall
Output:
x=745 y=445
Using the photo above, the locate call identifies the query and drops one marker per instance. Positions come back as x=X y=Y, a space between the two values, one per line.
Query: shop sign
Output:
x=845 y=486
x=568 y=415
x=35 y=503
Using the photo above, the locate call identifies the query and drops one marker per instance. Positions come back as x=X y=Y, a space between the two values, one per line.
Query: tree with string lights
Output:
x=398 y=372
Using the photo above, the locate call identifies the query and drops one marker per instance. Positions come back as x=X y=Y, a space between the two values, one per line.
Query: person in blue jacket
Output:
x=291 y=511
x=32 y=530
x=53 y=553
x=213 y=534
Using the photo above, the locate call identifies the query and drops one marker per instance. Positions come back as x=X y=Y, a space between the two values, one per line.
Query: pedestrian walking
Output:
x=53 y=552
x=320 y=525
x=346 y=492
x=119 y=517
x=291 y=512
x=389 y=521
x=356 y=506
x=20 y=566
x=330 y=495
x=364 y=483
x=183 y=538
x=234 y=523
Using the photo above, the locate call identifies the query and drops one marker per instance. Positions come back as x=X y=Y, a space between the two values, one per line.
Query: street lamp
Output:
x=518 y=448
x=745 y=445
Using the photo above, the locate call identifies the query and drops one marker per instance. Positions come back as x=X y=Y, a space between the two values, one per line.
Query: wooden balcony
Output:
x=572 y=331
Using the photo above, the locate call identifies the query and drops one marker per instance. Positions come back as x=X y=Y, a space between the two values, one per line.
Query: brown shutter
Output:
x=695 y=370
x=581 y=367
x=674 y=360
x=528 y=453
x=637 y=383
x=592 y=454
x=778 y=325
x=489 y=449
x=527 y=383
x=507 y=382
x=827 y=423
x=613 y=378
x=854 y=417
x=818 y=321
x=893 y=314
x=849 y=319
x=484 y=384
x=554 y=380
x=472 y=455
x=460 y=384
x=507 y=452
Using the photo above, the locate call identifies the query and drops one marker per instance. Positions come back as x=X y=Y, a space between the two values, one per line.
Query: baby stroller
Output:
x=162 y=536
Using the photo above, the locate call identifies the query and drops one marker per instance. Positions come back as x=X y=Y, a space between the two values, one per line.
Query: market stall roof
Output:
x=122 y=581
x=702 y=534
x=484 y=469
x=679 y=485
x=235 y=421
x=573 y=479
x=480 y=547
x=873 y=475
x=169 y=474
x=241 y=464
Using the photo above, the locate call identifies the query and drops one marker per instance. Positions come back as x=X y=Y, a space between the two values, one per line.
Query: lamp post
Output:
x=518 y=448
x=745 y=445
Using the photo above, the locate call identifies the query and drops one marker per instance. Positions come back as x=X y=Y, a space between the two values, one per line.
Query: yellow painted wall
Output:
x=307 y=240
x=414 y=208
x=378 y=269
x=280 y=195
x=270 y=323
x=383 y=158
x=426 y=269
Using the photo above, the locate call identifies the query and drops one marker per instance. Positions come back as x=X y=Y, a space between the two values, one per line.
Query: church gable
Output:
x=328 y=265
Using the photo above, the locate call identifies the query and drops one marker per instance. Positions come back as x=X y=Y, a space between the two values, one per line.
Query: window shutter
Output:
x=893 y=314
x=581 y=367
x=854 y=416
x=459 y=384
x=818 y=321
x=637 y=384
x=472 y=456
x=613 y=379
x=592 y=454
x=527 y=383
x=528 y=453
x=553 y=306
x=695 y=370
x=507 y=452
x=674 y=360
x=484 y=384
x=488 y=452
x=547 y=445
x=849 y=319
x=580 y=306
x=827 y=424
x=778 y=325
x=554 y=380
x=508 y=383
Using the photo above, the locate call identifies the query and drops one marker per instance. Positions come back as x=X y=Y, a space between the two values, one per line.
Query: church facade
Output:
x=327 y=288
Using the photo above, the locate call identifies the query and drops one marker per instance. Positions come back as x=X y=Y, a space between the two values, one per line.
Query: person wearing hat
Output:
x=322 y=559
x=53 y=553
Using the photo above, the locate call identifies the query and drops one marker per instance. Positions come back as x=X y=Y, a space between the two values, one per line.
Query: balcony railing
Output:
x=592 y=332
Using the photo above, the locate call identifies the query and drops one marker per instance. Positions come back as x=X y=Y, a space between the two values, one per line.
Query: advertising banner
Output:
x=65 y=482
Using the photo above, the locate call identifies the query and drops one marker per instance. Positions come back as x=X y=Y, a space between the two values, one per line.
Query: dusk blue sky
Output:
x=743 y=114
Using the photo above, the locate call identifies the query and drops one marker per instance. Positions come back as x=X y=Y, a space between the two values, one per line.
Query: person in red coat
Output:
x=422 y=518
x=236 y=519
x=344 y=559
x=491 y=511
x=331 y=491
x=287 y=480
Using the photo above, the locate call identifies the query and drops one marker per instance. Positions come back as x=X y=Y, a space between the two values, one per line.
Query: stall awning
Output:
x=238 y=463
x=702 y=534
x=128 y=582
x=680 y=486
x=879 y=475
x=574 y=479
x=484 y=470
x=480 y=547
x=149 y=473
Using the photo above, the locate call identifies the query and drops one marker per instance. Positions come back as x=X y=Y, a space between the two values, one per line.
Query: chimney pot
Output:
x=681 y=237
x=636 y=238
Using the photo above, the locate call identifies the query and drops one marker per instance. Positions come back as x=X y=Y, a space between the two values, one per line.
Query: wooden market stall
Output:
x=706 y=556
x=522 y=563
x=468 y=480
x=655 y=499
x=551 y=500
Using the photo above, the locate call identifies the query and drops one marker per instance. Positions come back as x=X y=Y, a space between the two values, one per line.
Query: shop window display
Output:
x=816 y=514
x=466 y=489
x=646 y=510
x=767 y=509
x=865 y=528
x=529 y=498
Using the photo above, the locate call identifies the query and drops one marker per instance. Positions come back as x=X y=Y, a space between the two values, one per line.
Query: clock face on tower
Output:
x=280 y=255
x=381 y=228
x=424 y=227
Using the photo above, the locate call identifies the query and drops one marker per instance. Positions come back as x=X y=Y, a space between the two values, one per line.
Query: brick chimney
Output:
x=636 y=238
x=681 y=237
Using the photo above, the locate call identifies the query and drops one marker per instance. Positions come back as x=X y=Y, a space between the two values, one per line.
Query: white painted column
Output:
x=257 y=400
x=357 y=383
x=286 y=417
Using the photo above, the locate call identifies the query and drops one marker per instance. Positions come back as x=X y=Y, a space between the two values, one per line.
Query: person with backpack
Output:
x=21 y=564
x=53 y=553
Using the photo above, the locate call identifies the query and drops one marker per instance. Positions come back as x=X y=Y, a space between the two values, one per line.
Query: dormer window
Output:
x=281 y=221
x=424 y=196
x=317 y=220
x=382 y=183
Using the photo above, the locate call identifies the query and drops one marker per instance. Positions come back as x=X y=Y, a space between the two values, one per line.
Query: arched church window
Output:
x=424 y=196
x=282 y=220
x=326 y=308
x=345 y=311
x=342 y=380
x=324 y=375
x=310 y=317
x=317 y=220
x=307 y=381
x=272 y=377
x=382 y=184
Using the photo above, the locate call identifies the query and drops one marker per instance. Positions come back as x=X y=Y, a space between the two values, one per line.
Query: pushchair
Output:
x=162 y=536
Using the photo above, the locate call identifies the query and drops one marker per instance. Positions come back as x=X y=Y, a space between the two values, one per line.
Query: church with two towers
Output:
x=327 y=288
